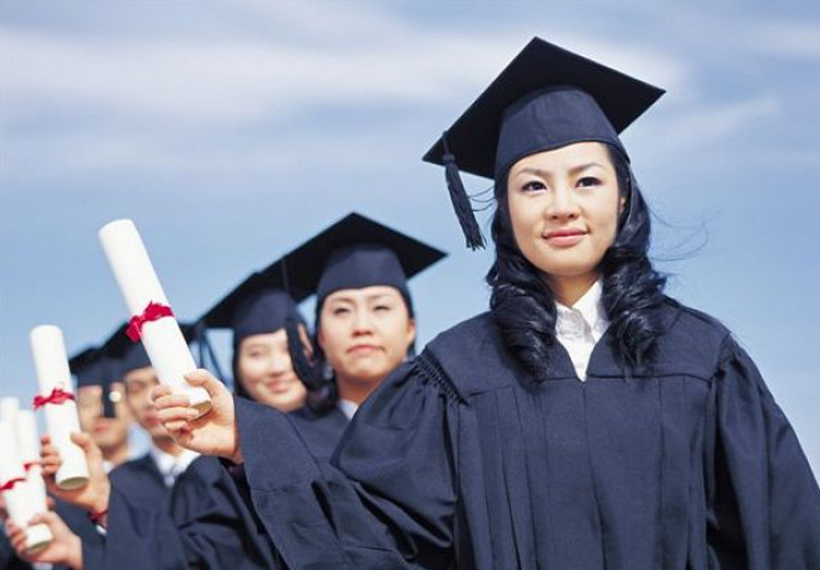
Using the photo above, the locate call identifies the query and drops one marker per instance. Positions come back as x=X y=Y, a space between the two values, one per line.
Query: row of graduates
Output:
x=587 y=421
x=173 y=509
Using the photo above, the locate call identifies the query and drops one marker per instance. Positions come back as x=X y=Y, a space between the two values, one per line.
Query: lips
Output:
x=362 y=349
x=565 y=237
x=564 y=233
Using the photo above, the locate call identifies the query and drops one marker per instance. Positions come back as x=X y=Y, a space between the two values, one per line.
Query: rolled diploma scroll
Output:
x=162 y=339
x=8 y=409
x=20 y=503
x=28 y=446
x=51 y=363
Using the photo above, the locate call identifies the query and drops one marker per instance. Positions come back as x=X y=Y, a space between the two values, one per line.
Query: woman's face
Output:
x=266 y=372
x=564 y=206
x=365 y=333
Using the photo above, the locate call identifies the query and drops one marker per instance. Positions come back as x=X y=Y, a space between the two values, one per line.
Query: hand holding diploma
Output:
x=93 y=496
x=65 y=548
x=212 y=434
x=152 y=320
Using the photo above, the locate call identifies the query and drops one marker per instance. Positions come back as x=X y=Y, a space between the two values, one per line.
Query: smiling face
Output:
x=365 y=334
x=266 y=372
x=564 y=206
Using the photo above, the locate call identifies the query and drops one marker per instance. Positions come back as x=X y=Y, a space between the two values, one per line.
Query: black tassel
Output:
x=460 y=200
x=108 y=403
x=301 y=365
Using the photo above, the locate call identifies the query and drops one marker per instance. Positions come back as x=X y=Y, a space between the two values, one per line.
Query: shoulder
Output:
x=453 y=358
x=692 y=341
x=131 y=467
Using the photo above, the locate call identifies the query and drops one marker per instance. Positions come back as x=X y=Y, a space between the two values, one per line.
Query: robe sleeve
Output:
x=763 y=500
x=217 y=527
x=387 y=499
x=202 y=528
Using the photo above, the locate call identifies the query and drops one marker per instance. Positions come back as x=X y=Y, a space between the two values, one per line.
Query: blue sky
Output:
x=232 y=131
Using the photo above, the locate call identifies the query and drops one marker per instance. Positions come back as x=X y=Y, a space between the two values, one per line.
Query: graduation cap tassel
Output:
x=300 y=362
x=460 y=200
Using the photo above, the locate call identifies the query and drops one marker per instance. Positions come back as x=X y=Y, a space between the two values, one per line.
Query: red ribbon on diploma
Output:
x=9 y=485
x=58 y=396
x=29 y=464
x=153 y=312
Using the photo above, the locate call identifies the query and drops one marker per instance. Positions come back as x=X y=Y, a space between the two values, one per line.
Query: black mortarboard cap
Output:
x=357 y=252
x=93 y=367
x=546 y=98
x=257 y=305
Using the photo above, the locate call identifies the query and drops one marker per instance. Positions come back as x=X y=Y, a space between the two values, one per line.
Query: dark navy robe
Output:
x=461 y=460
x=209 y=521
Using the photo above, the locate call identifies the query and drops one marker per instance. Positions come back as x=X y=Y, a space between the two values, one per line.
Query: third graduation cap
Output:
x=546 y=98
x=357 y=252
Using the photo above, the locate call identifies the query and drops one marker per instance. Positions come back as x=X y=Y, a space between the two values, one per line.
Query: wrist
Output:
x=74 y=559
x=100 y=504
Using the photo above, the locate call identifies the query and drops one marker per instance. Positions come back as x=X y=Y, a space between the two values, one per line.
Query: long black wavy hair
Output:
x=523 y=305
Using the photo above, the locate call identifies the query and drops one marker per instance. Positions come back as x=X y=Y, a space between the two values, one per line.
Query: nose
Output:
x=278 y=364
x=563 y=205
x=362 y=323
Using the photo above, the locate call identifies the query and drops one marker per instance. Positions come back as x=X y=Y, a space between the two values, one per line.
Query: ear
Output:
x=621 y=205
x=411 y=331
x=320 y=339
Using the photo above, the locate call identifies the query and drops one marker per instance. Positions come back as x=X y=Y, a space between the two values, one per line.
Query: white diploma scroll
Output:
x=51 y=363
x=28 y=445
x=8 y=409
x=21 y=504
x=162 y=338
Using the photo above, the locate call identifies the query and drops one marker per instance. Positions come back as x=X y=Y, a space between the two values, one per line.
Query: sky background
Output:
x=232 y=131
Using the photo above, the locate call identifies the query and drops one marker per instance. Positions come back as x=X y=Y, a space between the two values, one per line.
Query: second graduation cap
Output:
x=546 y=98
x=357 y=252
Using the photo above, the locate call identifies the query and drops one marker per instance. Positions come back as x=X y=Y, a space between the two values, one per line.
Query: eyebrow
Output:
x=386 y=296
x=545 y=173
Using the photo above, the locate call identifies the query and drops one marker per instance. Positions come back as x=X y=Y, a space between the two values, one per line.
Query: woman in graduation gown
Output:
x=587 y=421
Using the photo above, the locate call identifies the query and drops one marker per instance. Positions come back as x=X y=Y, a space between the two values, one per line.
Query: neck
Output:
x=116 y=454
x=567 y=290
x=166 y=445
x=353 y=390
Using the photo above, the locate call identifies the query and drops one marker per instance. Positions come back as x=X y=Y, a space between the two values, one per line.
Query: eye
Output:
x=588 y=181
x=338 y=311
x=382 y=308
x=533 y=185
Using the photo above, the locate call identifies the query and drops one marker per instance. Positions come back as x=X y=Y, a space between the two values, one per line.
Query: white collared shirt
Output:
x=580 y=327
x=171 y=466
x=347 y=407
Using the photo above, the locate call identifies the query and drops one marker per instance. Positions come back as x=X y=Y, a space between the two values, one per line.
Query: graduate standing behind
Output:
x=587 y=421
x=365 y=322
x=101 y=405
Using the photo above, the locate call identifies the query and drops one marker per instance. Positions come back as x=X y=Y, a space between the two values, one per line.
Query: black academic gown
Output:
x=135 y=482
x=460 y=460
x=209 y=522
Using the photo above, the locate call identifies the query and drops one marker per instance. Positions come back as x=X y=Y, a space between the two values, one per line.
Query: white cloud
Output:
x=316 y=54
x=706 y=126
x=794 y=40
